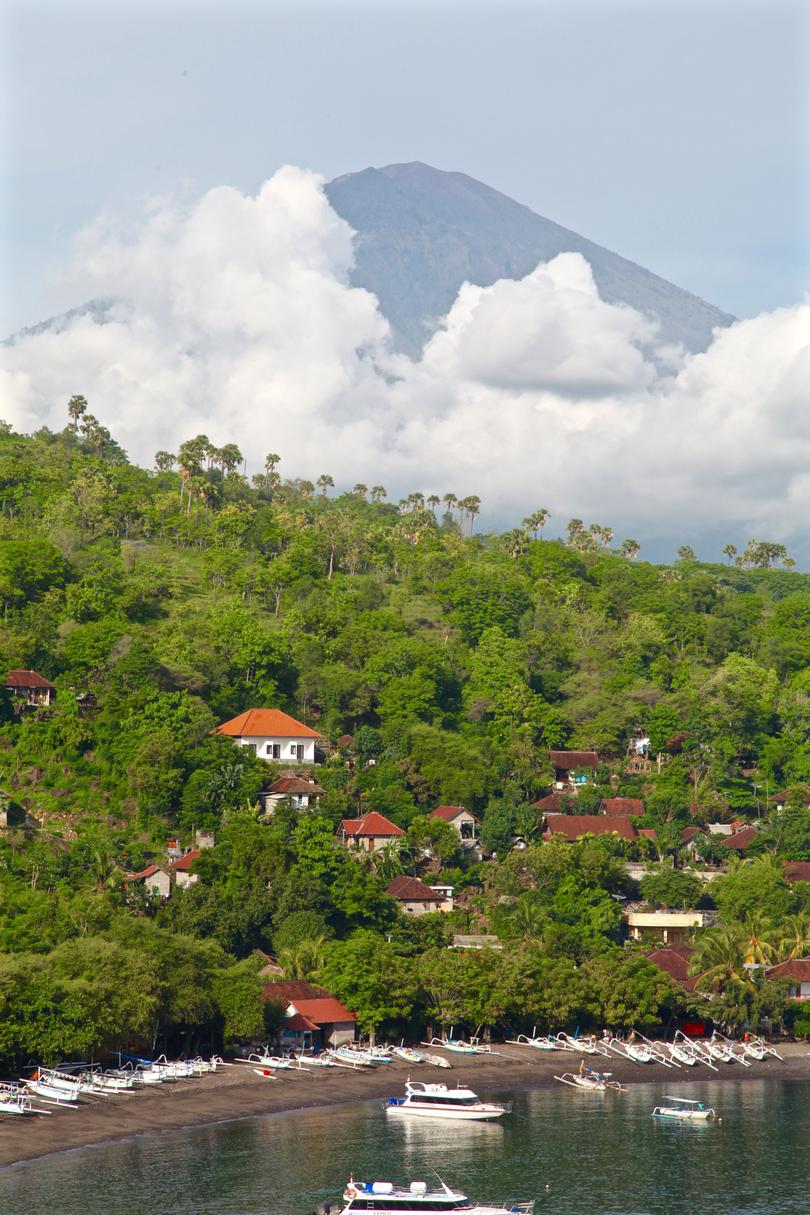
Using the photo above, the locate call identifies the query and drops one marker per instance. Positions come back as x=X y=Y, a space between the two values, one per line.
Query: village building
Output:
x=301 y=792
x=155 y=880
x=181 y=869
x=801 y=796
x=622 y=805
x=476 y=940
x=14 y=817
x=371 y=832
x=29 y=688
x=573 y=768
x=797 y=970
x=675 y=961
x=204 y=838
x=575 y=826
x=461 y=820
x=313 y=1017
x=272 y=735
x=415 y=897
x=662 y=924
x=740 y=840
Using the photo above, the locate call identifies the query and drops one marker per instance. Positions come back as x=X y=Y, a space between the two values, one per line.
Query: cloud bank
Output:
x=237 y=318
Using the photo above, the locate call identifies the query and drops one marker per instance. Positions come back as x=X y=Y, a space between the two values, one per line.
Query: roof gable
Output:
x=26 y=679
x=797 y=969
x=370 y=824
x=295 y=784
x=448 y=813
x=186 y=861
x=412 y=890
x=265 y=723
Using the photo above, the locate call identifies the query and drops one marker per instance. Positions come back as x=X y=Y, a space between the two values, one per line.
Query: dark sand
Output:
x=237 y=1092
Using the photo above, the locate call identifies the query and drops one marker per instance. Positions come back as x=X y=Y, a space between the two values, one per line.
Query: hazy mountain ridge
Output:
x=422 y=232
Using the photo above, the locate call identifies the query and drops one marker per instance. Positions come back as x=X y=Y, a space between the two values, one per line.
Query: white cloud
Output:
x=237 y=319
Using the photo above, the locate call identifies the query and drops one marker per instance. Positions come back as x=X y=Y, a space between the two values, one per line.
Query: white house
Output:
x=272 y=735
x=182 y=869
x=460 y=819
x=301 y=792
x=156 y=881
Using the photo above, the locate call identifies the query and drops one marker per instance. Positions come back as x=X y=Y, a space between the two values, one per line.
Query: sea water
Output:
x=576 y=1153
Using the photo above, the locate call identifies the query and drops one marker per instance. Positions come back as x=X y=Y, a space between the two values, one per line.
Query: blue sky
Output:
x=673 y=133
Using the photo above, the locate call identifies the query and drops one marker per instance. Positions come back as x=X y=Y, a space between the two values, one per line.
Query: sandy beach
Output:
x=237 y=1092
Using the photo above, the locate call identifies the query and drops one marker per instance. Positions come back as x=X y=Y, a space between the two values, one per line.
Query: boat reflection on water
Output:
x=420 y=1135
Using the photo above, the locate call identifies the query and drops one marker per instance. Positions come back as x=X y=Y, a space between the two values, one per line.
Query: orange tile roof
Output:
x=623 y=805
x=743 y=838
x=370 y=824
x=185 y=862
x=265 y=723
x=324 y=1011
x=797 y=969
x=295 y=784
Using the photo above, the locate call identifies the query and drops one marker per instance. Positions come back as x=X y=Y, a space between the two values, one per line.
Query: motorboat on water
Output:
x=439 y=1101
x=595 y=1082
x=385 y=1198
x=684 y=1109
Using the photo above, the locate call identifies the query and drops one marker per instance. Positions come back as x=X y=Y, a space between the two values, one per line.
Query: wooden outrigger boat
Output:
x=595 y=1082
x=684 y=1109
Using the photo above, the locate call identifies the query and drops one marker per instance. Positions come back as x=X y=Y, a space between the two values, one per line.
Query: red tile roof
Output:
x=689 y=833
x=324 y=1012
x=26 y=679
x=412 y=890
x=797 y=969
x=294 y=784
x=797 y=871
x=345 y=740
x=145 y=873
x=265 y=723
x=742 y=839
x=186 y=861
x=370 y=824
x=574 y=826
x=574 y=759
x=674 y=960
x=448 y=813
x=551 y=802
x=623 y=805
x=300 y=1023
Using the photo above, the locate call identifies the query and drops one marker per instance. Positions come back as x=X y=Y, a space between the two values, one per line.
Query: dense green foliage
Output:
x=160 y=603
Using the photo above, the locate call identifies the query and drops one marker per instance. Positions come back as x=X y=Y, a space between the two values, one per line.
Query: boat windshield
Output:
x=443 y=1099
x=407 y=1203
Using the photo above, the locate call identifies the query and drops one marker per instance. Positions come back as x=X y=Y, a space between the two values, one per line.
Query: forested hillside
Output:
x=160 y=603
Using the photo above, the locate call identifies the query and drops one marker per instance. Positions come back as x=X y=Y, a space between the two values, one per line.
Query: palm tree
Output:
x=730 y=551
x=630 y=549
x=719 y=959
x=433 y=501
x=378 y=492
x=304 y=960
x=164 y=461
x=788 y=563
x=516 y=543
x=793 y=938
x=229 y=457
x=270 y=462
x=450 y=500
x=360 y=489
x=528 y=919
x=472 y=505
x=325 y=483
x=77 y=406
x=761 y=938
x=574 y=530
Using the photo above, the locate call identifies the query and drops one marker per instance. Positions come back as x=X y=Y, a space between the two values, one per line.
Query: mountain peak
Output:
x=423 y=231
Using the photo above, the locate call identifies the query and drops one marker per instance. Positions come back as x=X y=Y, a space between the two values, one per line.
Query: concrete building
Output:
x=272 y=735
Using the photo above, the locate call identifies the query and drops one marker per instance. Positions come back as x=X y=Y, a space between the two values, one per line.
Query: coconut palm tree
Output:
x=730 y=551
x=792 y=938
x=77 y=407
x=761 y=938
x=719 y=958
x=304 y=960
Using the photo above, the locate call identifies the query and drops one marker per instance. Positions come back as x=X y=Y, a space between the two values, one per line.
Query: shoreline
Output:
x=236 y=1092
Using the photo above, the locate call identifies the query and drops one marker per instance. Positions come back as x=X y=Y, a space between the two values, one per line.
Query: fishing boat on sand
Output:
x=595 y=1082
x=439 y=1101
x=385 y=1198
x=684 y=1109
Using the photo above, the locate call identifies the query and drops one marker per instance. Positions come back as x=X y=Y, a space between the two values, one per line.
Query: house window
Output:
x=273 y=750
x=297 y=750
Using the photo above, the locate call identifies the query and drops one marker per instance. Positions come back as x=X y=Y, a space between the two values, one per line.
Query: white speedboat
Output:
x=439 y=1101
x=684 y=1109
x=384 y=1198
